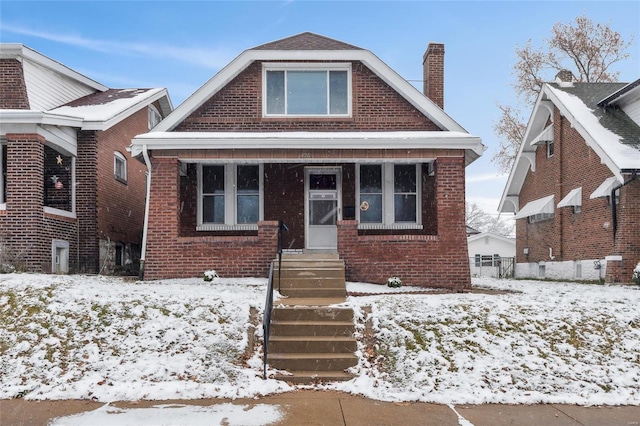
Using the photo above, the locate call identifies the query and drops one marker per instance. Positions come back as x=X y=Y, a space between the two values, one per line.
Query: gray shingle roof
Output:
x=610 y=117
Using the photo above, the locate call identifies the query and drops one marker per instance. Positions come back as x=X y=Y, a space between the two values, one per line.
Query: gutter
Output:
x=145 y=228
x=614 y=214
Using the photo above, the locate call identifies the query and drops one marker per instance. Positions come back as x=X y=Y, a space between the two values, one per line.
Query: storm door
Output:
x=322 y=208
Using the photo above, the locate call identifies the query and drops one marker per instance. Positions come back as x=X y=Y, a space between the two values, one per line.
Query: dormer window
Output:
x=305 y=90
x=154 y=116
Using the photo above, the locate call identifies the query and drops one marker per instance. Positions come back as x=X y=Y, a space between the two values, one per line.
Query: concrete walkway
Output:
x=308 y=407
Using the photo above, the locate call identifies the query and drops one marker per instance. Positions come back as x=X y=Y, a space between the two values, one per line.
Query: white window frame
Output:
x=388 y=194
x=550 y=147
x=153 y=116
x=266 y=67
x=119 y=157
x=3 y=184
x=230 y=199
x=65 y=213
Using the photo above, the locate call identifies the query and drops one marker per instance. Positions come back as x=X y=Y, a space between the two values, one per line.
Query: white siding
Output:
x=47 y=89
x=633 y=111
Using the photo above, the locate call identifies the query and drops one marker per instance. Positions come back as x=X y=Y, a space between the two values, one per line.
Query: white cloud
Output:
x=214 y=59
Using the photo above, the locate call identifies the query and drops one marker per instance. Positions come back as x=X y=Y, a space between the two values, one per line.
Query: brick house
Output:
x=71 y=196
x=574 y=187
x=325 y=137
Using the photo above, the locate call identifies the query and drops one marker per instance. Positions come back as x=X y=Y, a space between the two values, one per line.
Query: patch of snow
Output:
x=168 y=415
x=106 y=339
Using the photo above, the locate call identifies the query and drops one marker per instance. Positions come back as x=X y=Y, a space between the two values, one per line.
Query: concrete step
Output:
x=315 y=292
x=312 y=328
x=316 y=344
x=312 y=377
x=312 y=361
x=308 y=272
x=312 y=313
x=309 y=301
x=312 y=282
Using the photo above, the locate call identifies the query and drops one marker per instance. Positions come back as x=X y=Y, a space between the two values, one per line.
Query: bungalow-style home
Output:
x=325 y=137
x=71 y=196
x=491 y=255
x=574 y=186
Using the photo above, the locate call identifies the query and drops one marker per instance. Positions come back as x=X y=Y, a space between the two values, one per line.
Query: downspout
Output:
x=145 y=227
x=614 y=214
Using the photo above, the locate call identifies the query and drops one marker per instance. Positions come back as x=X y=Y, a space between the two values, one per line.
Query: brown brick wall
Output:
x=171 y=256
x=238 y=107
x=424 y=260
x=13 y=90
x=627 y=241
x=27 y=231
x=86 y=202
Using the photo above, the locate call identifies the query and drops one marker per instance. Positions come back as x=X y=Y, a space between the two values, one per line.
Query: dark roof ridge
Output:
x=306 y=41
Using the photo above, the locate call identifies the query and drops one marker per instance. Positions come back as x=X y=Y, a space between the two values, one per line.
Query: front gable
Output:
x=308 y=48
x=238 y=106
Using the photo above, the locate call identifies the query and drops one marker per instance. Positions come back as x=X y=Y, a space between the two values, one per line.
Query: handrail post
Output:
x=266 y=320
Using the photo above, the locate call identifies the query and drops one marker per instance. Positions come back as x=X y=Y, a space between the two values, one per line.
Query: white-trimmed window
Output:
x=154 y=116
x=229 y=196
x=550 y=148
x=389 y=196
x=120 y=167
x=540 y=217
x=307 y=90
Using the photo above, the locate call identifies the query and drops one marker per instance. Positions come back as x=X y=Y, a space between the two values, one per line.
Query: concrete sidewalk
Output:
x=309 y=407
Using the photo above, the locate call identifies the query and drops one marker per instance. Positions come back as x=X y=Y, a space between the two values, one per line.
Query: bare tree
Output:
x=482 y=221
x=585 y=48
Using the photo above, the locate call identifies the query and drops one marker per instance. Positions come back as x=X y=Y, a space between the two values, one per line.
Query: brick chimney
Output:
x=565 y=76
x=433 y=73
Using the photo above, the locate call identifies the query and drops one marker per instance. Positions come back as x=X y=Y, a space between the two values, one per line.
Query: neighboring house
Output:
x=574 y=185
x=71 y=197
x=327 y=138
x=491 y=255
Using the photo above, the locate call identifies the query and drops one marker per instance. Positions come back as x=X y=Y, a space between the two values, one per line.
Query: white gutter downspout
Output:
x=145 y=228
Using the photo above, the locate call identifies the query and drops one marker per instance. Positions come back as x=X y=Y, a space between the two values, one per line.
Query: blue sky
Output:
x=181 y=45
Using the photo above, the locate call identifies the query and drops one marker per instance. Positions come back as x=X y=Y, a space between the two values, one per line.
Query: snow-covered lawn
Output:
x=109 y=339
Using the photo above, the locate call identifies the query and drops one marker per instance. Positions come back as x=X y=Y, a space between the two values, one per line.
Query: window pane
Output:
x=213 y=179
x=405 y=208
x=370 y=179
x=323 y=212
x=57 y=183
x=213 y=209
x=322 y=182
x=404 y=178
x=248 y=208
x=371 y=212
x=275 y=92
x=248 y=179
x=338 y=92
x=306 y=92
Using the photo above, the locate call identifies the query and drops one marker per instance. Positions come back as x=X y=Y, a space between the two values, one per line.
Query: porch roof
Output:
x=472 y=145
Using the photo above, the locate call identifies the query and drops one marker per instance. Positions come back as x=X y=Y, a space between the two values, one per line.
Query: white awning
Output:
x=544 y=136
x=604 y=190
x=541 y=205
x=573 y=198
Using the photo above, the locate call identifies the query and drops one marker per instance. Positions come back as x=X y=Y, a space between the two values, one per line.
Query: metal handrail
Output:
x=268 y=306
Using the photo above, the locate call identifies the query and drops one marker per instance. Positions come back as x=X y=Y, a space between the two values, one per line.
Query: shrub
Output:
x=210 y=275
x=636 y=274
x=394 y=282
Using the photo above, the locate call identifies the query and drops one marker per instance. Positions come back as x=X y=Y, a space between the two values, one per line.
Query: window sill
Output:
x=58 y=212
x=394 y=226
x=119 y=179
x=223 y=227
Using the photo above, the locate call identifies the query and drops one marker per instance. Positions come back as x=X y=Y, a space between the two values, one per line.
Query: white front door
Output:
x=322 y=207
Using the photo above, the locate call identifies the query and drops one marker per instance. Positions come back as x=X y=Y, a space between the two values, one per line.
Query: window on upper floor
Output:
x=388 y=195
x=120 y=167
x=229 y=195
x=307 y=90
x=154 y=116
x=540 y=217
x=549 y=145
